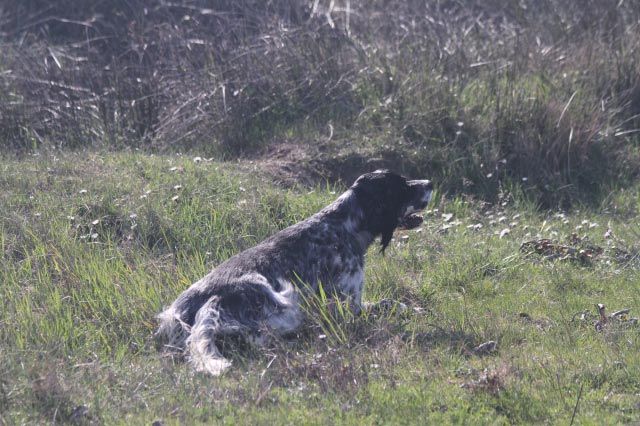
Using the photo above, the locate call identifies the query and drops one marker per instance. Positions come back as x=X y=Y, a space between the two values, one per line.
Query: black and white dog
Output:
x=259 y=291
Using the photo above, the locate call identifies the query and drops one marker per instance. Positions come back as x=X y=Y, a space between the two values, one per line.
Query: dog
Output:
x=260 y=291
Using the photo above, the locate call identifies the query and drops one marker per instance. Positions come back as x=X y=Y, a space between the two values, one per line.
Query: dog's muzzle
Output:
x=423 y=190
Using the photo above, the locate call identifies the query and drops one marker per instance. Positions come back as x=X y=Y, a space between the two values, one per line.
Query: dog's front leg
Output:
x=354 y=292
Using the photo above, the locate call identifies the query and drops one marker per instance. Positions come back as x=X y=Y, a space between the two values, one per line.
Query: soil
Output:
x=290 y=164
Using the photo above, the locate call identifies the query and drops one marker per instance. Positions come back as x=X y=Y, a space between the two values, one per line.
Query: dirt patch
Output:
x=291 y=164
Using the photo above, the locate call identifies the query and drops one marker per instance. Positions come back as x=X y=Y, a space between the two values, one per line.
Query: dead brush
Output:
x=487 y=93
x=490 y=380
x=616 y=322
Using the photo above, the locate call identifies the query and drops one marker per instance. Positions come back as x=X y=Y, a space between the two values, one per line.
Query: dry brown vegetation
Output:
x=478 y=94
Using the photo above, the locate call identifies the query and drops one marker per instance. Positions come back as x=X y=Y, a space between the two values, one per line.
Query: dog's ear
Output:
x=382 y=195
x=385 y=238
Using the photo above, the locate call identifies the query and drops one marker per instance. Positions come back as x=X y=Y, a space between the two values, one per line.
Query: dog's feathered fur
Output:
x=260 y=289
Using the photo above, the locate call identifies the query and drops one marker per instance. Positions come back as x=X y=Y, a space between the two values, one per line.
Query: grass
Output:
x=513 y=108
x=93 y=245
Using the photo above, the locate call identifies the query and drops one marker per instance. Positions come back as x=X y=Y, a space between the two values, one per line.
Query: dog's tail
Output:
x=197 y=341
x=201 y=347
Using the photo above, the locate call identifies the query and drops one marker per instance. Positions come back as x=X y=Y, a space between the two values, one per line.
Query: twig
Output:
x=268 y=365
x=626 y=132
x=575 y=408
x=263 y=393
x=566 y=107
x=348 y=18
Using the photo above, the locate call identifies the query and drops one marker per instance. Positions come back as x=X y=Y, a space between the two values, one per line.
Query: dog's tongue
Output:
x=411 y=221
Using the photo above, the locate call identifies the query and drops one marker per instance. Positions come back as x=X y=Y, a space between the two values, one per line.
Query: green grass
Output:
x=92 y=246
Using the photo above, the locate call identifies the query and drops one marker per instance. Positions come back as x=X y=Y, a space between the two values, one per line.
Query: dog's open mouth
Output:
x=410 y=221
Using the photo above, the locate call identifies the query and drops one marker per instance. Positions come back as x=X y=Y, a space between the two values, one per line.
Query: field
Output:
x=93 y=246
x=143 y=142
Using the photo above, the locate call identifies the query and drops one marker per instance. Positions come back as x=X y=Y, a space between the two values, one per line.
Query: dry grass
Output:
x=478 y=94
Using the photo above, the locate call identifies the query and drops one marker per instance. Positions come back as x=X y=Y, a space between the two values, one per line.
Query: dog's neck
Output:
x=345 y=212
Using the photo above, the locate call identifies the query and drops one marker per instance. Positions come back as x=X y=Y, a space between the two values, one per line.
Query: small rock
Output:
x=486 y=348
x=79 y=413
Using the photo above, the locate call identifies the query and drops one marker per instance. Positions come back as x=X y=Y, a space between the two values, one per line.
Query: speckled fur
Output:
x=258 y=291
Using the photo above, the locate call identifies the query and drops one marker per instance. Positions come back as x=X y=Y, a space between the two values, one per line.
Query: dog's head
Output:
x=389 y=200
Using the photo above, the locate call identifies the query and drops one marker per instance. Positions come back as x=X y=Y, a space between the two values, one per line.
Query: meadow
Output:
x=94 y=245
x=143 y=142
